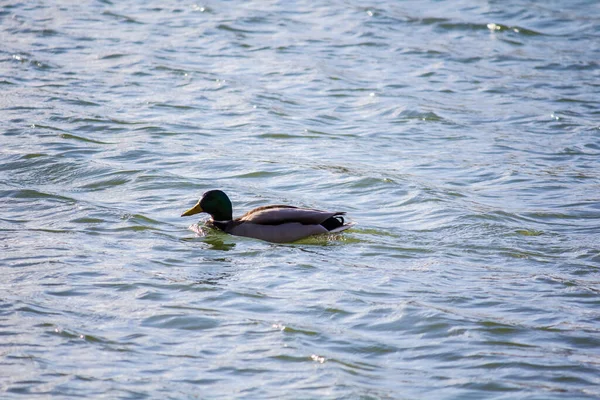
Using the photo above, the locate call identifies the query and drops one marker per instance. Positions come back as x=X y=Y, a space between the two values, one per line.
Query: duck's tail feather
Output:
x=336 y=224
x=347 y=225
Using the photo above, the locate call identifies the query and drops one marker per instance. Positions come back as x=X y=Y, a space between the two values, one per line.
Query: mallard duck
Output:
x=276 y=223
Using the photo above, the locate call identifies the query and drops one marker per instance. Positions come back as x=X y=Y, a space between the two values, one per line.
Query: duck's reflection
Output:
x=217 y=243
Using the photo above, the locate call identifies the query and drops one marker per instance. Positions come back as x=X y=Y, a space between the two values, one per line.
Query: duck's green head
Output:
x=214 y=202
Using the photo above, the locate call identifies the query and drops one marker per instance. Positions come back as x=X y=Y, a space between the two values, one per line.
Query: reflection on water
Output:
x=218 y=244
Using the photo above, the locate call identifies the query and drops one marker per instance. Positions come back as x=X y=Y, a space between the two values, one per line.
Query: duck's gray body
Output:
x=280 y=224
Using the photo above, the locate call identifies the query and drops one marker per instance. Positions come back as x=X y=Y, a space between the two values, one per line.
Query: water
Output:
x=463 y=138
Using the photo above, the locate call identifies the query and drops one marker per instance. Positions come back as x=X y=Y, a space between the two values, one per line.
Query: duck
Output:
x=273 y=223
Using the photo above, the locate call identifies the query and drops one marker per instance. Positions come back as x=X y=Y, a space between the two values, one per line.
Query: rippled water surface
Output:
x=462 y=137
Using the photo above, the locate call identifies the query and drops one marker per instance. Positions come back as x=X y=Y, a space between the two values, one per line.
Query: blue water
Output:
x=463 y=138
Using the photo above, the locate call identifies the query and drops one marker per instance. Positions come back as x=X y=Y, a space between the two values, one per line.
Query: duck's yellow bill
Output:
x=194 y=210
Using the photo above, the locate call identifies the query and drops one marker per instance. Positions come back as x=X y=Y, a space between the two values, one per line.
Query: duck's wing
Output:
x=278 y=215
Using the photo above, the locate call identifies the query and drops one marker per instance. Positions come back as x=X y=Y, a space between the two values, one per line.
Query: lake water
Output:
x=463 y=138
